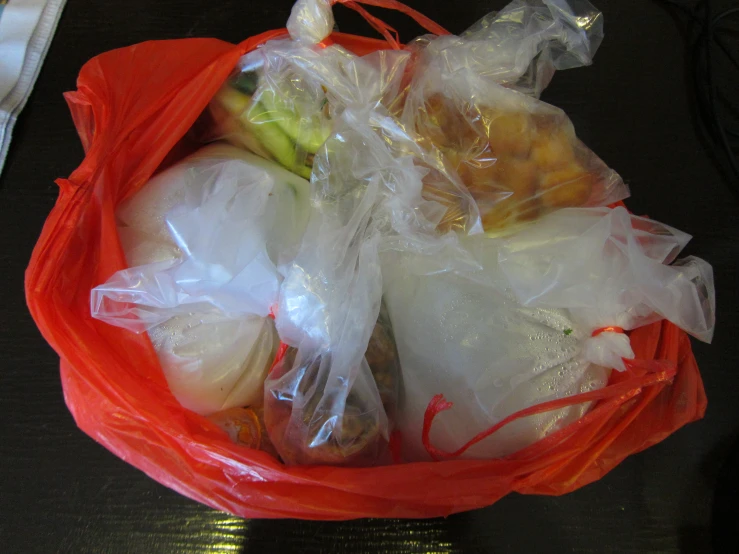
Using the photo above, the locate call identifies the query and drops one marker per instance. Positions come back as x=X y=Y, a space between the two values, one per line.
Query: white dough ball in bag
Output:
x=491 y=357
x=212 y=360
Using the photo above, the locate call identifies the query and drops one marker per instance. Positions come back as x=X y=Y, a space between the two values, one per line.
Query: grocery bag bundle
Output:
x=321 y=276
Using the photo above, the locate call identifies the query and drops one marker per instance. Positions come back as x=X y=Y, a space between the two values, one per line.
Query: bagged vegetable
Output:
x=245 y=427
x=332 y=397
x=206 y=235
x=134 y=110
x=300 y=405
x=541 y=320
x=474 y=98
x=281 y=99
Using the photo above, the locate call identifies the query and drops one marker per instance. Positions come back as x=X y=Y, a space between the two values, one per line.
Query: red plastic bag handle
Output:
x=658 y=371
x=390 y=34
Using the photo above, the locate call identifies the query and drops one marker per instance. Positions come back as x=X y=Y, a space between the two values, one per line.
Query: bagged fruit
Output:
x=542 y=319
x=205 y=236
x=518 y=157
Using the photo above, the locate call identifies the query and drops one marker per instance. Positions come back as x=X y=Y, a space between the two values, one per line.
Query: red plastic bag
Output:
x=132 y=109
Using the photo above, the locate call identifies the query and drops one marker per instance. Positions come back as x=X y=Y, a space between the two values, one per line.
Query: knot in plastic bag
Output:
x=607 y=347
x=310 y=21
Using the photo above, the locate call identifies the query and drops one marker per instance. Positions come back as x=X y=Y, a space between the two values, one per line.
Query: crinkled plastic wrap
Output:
x=474 y=98
x=282 y=98
x=205 y=236
x=310 y=21
x=609 y=268
x=536 y=322
x=371 y=193
x=323 y=409
x=520 y=46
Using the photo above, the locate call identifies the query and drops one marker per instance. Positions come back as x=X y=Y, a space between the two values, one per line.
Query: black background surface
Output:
x=62 y=492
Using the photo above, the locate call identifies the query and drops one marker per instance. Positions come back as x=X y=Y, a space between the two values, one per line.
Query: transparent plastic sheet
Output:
x=282 y=98
x=370 y=182
x=522 y=45
x=317 y=414
x=535 y=323
x=132 y=108
x=519 y=157
x=206 y=235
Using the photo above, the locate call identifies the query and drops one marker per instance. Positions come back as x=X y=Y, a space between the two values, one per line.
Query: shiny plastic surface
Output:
x=608 y=268
x=283 y=98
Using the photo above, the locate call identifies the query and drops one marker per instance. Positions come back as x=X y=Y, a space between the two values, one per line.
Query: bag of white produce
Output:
x=204 y=239
x=543 y=318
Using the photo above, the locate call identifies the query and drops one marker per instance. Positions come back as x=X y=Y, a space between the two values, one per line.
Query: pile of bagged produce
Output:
x=325 y=276
x=367 y=232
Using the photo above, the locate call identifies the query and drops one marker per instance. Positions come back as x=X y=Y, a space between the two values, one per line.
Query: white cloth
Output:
x=26 y=29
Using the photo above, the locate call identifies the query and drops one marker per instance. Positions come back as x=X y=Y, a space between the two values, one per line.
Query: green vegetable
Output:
x=303 y=131
x=245 y=82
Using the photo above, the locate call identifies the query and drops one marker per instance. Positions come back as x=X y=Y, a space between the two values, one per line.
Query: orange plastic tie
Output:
x=611 y=329
x=390 y=34
x=656 y=372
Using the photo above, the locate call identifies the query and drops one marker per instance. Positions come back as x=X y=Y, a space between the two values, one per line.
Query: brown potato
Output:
x=552 y=150
x=567 y=187
x=450 y=125
x=518 y=176
x=509 y=133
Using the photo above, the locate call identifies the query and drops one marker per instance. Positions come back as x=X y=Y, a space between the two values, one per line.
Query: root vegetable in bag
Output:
x=474 y=98
x=320 y=436
x=203 y=238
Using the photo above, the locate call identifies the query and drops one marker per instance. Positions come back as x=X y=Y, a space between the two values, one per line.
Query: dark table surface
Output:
x=62 y=492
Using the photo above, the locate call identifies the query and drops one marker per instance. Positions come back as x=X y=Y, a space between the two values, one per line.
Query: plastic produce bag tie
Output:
x=611 y=329
x=648 y=373
x=390 y=34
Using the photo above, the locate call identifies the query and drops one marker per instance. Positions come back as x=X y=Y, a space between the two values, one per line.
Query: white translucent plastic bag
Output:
x=519 y=331
x=475 y=98
x=207 y=235
x=374 y=187
x=370 y=182
x=520 y=46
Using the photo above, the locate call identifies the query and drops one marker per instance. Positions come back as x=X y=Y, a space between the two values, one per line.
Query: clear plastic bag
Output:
x=520 y=46
x=282 y=98
x=315 y=417
x=474 y=98
x=370 y=183
x=609 y=269
x=207 y=235
x=537 y=322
